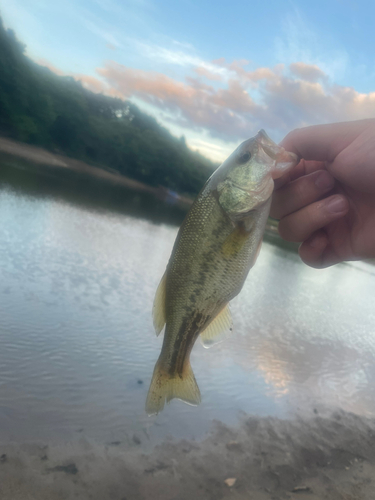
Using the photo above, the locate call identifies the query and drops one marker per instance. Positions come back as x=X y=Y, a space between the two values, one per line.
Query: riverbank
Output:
x=40 y=161
x=330 y=457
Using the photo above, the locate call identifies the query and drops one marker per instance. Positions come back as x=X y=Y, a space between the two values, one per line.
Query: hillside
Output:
x=58 y=113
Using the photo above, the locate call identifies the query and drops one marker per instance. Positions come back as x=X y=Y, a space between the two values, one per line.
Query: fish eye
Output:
x=244 y=158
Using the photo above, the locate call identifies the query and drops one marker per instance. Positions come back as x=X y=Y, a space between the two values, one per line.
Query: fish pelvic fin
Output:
x=158 y=309
x=218 y=330
x=165 y=387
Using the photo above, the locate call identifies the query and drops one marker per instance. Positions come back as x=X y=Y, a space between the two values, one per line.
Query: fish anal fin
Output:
x=158 y=309
x=165 y=387
x=219 y=329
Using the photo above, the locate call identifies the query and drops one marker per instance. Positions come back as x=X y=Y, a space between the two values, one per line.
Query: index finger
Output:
x=303 y=168
x=323 y=142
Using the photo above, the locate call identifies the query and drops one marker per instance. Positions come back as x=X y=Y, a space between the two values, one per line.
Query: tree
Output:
x=57 y=112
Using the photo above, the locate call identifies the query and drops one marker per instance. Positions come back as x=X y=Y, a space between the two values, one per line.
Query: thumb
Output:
x=354 y=166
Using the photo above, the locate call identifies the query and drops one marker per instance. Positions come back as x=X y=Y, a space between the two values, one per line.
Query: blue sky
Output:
x=212 y=71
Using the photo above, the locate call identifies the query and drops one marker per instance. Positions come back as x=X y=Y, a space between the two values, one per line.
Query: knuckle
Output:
x=291 y=136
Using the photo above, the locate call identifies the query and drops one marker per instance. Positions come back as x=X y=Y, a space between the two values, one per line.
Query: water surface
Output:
x=78 y=347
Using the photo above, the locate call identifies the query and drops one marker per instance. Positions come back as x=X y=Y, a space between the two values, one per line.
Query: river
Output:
x=78 y=348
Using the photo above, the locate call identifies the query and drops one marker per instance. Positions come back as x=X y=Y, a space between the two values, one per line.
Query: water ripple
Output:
x=78 y=347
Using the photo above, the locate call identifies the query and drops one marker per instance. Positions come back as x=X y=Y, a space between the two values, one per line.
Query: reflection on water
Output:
x=78 y=348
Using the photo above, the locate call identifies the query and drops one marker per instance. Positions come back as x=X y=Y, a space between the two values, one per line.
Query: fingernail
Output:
x=336 y=205
x=324 y=181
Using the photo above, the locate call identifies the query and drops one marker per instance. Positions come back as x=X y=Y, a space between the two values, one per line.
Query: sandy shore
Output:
x=263 y=459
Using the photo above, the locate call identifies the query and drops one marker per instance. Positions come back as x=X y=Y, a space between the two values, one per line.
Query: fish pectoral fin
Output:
x=234 y=243
x=218 y=330
x=164 y=387
x=158 y=309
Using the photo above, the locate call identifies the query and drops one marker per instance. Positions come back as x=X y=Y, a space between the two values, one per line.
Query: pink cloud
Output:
x=91 y=83
x=206 y=73
x=309 y=72
x=196 y=105
x=229 y=111
x=50 y=66
x=230 y=108
x=237 y=67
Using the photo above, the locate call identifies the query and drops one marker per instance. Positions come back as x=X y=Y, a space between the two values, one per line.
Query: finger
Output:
x=303 y=168
x=308 y=168
x=354 y=165
x=311 y=251
x=317 y=252
x=301 y=192
x=323 y=142
x=300 y=225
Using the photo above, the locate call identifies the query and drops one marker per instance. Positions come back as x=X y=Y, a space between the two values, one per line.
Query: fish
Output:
x=215 y=248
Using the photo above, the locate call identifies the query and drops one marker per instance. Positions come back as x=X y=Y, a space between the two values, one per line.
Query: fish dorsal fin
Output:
x=218 y=330
x=158 y=309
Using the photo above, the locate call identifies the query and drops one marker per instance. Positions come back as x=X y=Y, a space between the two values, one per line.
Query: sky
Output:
x=213 y=71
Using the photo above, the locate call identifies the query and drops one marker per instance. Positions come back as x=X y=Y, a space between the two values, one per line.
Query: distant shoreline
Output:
x=39 y=161
x=27 y=157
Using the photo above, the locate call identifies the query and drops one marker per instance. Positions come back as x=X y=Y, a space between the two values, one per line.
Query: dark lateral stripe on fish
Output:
x=187 y=335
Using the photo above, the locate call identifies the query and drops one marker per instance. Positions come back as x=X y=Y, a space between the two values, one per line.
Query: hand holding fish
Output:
x=327 y=201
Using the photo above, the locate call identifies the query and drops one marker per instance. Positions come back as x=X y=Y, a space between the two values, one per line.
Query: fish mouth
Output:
x=284 y=160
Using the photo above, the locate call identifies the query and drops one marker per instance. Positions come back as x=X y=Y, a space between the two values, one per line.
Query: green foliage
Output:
x=56 y=112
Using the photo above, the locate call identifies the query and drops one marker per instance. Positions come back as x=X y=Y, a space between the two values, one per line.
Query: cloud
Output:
x=206 y=73
x=101 y=32
x=177 y=57
x=301 y=42
x=214 y=150
x=50 y=66
x=309 y=72
x=229 y=111
x=194 y=104
x=90 y=82
x=233 y=107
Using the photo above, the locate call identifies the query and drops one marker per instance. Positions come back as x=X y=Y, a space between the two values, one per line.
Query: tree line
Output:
x=56 y=112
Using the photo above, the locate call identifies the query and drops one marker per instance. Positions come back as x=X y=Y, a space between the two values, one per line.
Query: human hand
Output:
x=327 y=202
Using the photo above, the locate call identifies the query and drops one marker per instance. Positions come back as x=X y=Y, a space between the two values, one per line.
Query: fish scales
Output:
x=193 y=284
x=215 y=248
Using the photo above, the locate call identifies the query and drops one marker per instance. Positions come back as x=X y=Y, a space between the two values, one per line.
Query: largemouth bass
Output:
x=215 y=248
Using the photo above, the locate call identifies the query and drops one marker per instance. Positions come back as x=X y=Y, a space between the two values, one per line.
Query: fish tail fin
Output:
x=165 y=387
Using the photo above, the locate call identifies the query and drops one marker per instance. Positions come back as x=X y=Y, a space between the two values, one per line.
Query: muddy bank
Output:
x=263 y=459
